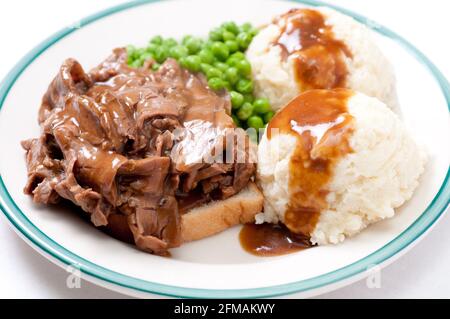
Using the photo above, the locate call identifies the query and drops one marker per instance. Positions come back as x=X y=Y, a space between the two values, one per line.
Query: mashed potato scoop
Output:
x=318 y=49
x=331 y=162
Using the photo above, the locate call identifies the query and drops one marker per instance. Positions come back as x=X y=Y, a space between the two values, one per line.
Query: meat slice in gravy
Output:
x=119 y=143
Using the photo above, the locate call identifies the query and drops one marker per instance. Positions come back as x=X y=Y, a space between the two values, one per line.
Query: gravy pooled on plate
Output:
x=271 y=240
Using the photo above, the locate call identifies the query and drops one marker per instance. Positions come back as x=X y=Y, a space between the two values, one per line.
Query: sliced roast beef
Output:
x=134 y=148
x=71 y=79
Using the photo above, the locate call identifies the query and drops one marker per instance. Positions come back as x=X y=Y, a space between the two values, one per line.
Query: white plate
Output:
x=217 y=266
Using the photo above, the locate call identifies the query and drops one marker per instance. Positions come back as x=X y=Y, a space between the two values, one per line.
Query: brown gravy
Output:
x=320 y=122
x=271 y=240
x=319 y=57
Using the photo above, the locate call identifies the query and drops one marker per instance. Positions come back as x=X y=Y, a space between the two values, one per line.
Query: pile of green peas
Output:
x=221 y=58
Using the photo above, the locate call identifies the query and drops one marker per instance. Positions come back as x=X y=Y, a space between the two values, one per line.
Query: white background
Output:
x=422 y=273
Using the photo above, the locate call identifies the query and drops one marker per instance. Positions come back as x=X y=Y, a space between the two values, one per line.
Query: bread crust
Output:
x=217 y=216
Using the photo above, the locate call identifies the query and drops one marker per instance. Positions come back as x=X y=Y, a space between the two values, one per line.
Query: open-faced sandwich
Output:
x=154 y=157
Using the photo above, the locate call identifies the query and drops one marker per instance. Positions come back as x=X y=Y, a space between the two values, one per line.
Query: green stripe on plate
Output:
x=45 y=244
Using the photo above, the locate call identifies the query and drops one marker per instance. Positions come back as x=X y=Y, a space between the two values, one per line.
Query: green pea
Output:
x=155 y=66
x=146 y=56
x=231 y=27
x=156 y=40
x=244 y=86
x=139 y=52
x=161 y=54
x=216 y=34
x=178 y=51
x=245 y=111
x=255 y=121
x=268 y=116
x=205 y=67
x=206 y=56
x=249 y=98
x=237 y=99
x=232 y=45
x=194 y=45
x=192 y=63
x=220 y=50
x=244 y=40
x=131 y=57
x=246 y=27
x=261 y=105
x=131 y=50
x=227 y=35
x=236 y=120
x=231 y=75
x=185 y=39
x=235 y=58
x=182 y=62
x=151 y=48
x=238 y=55
x=213 y=73
x=221 y=66
x=232 y=61
x=244 y=67
x=254 y=31
x=136 y=64
x=227 y=85
x=216 y=84
x=170 y=42
x=166 y=48
x=208 y=44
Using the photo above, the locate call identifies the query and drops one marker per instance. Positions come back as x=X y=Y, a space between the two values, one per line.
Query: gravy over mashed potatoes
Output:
x=318 y=49
x=339 y=161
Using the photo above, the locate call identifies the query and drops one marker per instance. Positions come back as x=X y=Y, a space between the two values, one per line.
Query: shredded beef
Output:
x=134 y=148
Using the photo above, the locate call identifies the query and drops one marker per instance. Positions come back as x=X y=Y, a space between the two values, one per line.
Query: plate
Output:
x=216 y=266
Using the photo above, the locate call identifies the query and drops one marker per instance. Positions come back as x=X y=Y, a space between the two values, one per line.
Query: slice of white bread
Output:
x=217 y=216
x=203 y=221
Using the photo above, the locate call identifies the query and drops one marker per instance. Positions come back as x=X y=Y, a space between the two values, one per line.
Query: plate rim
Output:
x=40 y=240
